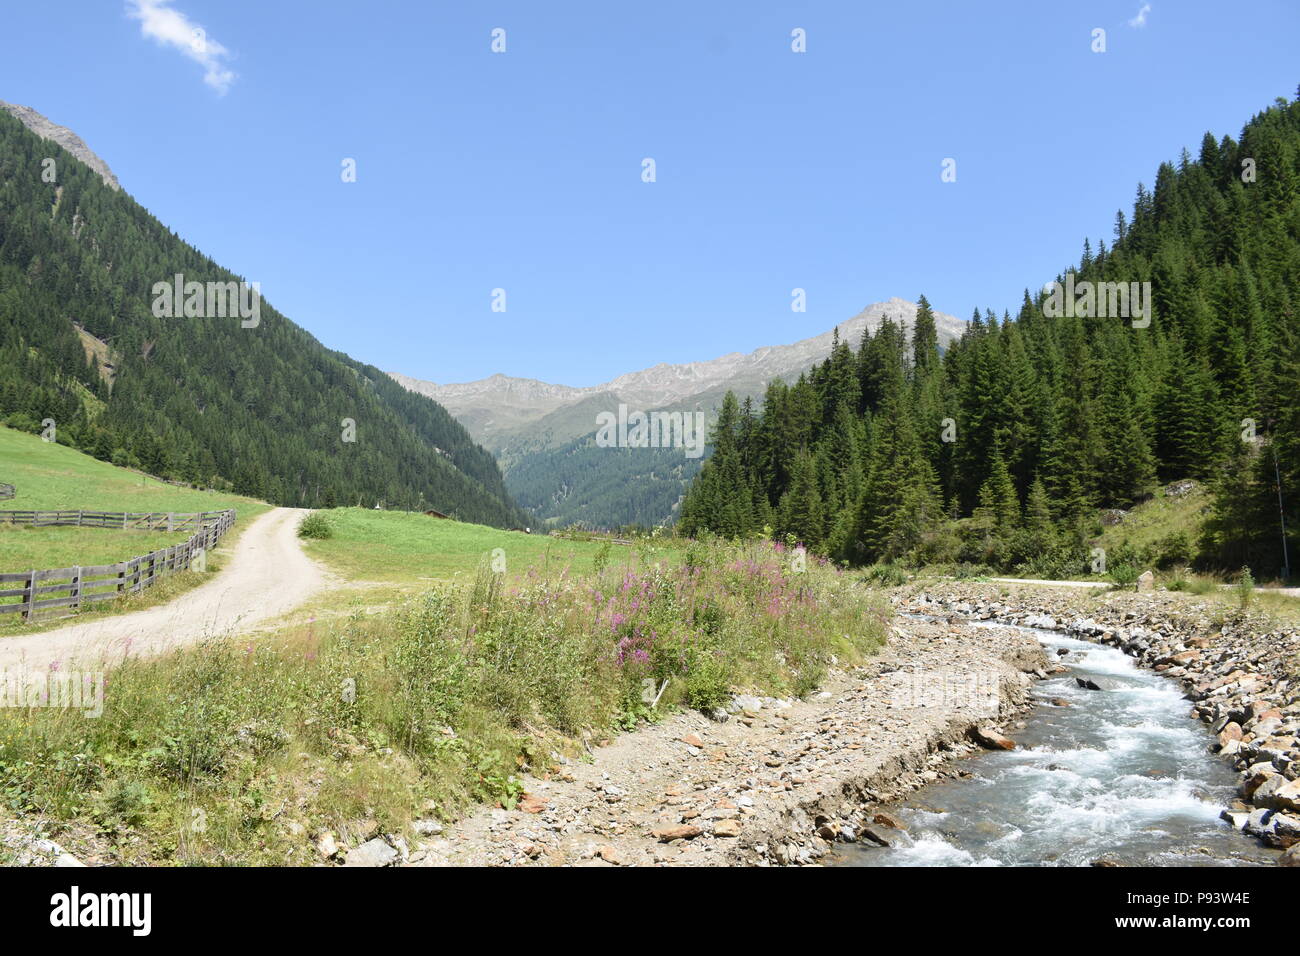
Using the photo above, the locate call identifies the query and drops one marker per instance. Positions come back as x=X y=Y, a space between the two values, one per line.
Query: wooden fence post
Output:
x=31 y=596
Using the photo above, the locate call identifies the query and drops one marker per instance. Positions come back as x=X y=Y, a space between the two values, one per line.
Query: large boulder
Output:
x=1255 y=777
x=372 y=853
x=1278 y=793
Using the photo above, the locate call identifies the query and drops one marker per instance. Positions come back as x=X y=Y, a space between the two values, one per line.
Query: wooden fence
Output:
x=67 y=589
x=6 y=491
x=593 y=536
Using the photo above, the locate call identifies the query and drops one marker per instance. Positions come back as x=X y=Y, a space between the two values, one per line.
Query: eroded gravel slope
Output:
x=758 y=788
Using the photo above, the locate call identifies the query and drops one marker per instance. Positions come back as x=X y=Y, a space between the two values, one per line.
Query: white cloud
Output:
x=171 y=28
x=1141 y=19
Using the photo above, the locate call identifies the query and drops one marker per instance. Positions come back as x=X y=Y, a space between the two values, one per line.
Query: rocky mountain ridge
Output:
x=45 y=128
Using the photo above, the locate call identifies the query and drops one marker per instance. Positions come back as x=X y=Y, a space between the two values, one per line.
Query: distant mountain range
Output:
x=544 y=434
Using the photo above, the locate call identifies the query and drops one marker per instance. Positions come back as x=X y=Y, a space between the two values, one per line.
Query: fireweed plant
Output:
x=448 y=700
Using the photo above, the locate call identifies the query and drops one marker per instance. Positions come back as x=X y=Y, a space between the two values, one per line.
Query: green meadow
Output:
x=399 y=547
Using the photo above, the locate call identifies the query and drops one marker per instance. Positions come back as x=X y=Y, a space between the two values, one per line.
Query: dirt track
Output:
x=267 y=575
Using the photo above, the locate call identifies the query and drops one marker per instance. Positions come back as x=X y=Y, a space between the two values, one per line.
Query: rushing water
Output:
x=1122 y=773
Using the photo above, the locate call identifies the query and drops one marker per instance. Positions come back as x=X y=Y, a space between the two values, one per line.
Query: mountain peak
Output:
x=499 y=407
x=46 y=129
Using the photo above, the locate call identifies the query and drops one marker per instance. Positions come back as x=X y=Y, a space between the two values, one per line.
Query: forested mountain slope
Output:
x=1000 y=450
x=259 y=409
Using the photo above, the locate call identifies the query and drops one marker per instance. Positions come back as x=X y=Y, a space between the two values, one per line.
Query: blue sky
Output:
x=523 y=170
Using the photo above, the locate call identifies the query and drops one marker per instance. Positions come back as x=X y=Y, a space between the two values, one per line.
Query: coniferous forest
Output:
x=999 y=450
x=203 y=400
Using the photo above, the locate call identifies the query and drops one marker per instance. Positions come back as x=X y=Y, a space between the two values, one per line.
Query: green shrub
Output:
x=123 y=805
x=315 y=525
x=971 y=572
x=1174 y=549
x=1124 y=575
x=707 y=683
x=1058 y=562
x=887 y=574
x=1245 y=588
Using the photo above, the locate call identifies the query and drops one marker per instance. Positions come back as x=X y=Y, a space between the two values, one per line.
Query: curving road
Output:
x=267 y=575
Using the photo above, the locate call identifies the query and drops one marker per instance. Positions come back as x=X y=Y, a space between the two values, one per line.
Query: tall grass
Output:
x=1245 y=588
x=446 y=701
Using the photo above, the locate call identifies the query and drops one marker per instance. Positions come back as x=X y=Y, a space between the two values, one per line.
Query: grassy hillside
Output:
x=1161 y=532
x=52 y=477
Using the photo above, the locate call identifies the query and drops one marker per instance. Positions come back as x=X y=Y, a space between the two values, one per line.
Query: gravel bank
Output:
x=778 y=782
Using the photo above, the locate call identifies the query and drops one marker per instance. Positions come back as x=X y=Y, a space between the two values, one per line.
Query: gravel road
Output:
x=267 y=575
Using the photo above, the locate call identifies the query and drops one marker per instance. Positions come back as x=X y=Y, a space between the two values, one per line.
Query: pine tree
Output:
x=801 y=506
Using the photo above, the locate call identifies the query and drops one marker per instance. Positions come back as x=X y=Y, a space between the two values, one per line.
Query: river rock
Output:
x=1098 y=683
x=1257 y=824
x=1146 y=581
x=886 y=819
x=1255 y=777
x=1266 y=728
x=326 y=845
x=873 y=835
x=1237 y=818
x=1274 y=828
x=1230 y=731
x=1284 y=830
x=1279 y=794
x=1263 y=795
x=992 y=740
x=1291 y=857
x=727 y=828
x=609 y=855
x=682 y=832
